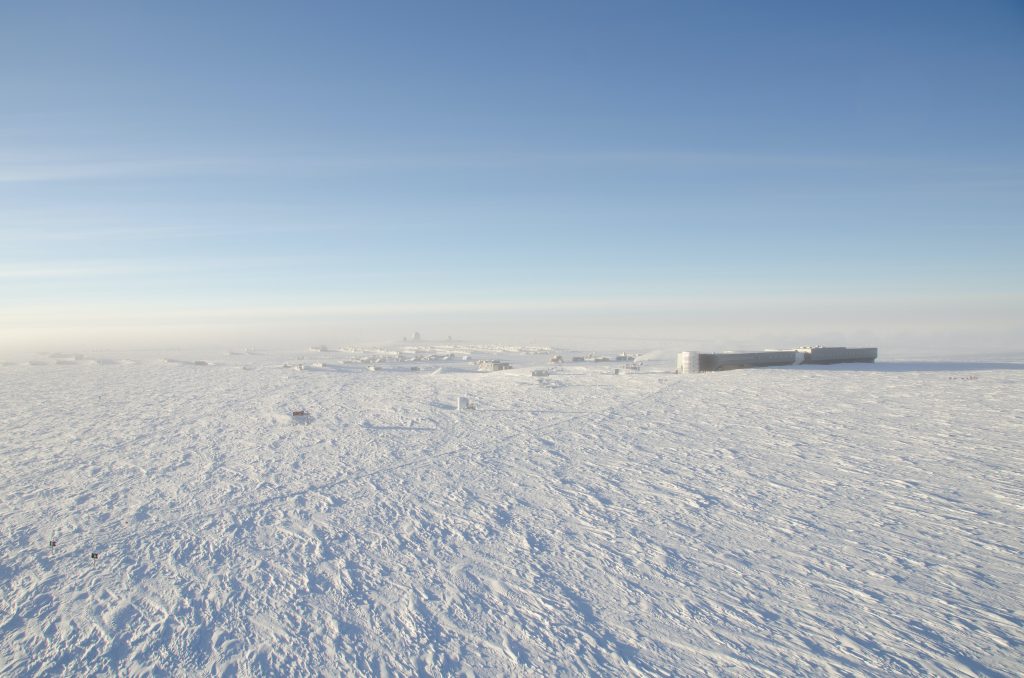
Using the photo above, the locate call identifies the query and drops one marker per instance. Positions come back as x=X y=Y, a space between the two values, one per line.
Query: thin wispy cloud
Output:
x=56 y=169
x=44 y=271
x=45 y=171
x=12 y=230
x=142 y=268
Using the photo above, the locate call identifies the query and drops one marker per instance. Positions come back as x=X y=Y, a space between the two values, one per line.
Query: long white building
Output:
x=693 y=361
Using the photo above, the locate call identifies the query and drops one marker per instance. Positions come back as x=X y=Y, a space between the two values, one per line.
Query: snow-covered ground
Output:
x=845 y=520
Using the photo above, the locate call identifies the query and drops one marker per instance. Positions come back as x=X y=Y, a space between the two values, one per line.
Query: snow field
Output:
x=796 y=521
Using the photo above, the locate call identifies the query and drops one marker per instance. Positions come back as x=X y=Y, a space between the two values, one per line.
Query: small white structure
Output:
x=540 y=373
x=494 y=365
x=462 y=403
x=687 y=362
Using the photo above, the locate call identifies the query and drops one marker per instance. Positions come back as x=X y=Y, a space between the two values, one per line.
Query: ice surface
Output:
x=858 y=520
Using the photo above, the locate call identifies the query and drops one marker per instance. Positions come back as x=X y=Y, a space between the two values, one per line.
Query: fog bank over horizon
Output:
x=910 y=328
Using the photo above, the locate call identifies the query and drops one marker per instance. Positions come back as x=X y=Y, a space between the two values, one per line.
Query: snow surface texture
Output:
x=846 y=520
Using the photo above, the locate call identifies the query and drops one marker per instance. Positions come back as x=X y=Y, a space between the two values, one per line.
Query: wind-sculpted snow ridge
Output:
x=781 y=521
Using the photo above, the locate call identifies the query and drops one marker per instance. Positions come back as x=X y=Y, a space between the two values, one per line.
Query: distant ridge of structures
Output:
x=692 y=361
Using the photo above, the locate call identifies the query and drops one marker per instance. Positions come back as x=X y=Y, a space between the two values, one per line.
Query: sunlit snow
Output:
x=862 y=520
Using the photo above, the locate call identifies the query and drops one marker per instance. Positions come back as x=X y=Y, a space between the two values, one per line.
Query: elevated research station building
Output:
x=693 y=361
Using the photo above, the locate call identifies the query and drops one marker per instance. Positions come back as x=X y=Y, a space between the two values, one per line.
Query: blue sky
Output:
x=186 y=166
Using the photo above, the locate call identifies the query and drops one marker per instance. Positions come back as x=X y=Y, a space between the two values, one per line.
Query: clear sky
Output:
x=321 y=172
